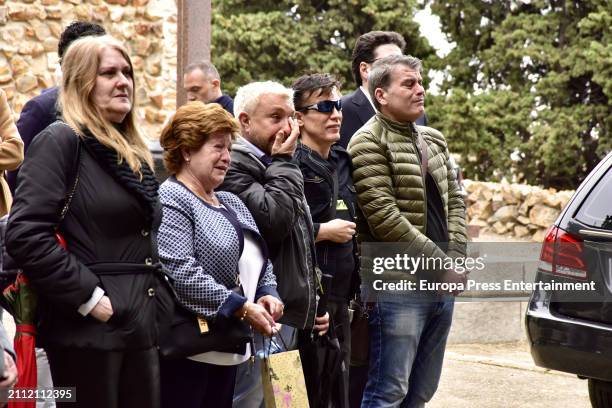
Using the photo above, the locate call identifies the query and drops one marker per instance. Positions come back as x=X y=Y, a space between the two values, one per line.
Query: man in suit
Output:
x=40 y=111
x=357 y=107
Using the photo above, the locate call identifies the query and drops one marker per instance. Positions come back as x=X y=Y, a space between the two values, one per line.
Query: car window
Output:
x=596 y=210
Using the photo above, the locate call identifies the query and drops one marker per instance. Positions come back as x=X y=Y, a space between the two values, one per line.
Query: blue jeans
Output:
x=407 y=343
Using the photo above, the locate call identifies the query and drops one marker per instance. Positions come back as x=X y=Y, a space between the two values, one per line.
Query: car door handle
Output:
x=591 y=233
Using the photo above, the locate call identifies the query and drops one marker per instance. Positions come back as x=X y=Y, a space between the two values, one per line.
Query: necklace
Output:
x=212 y=200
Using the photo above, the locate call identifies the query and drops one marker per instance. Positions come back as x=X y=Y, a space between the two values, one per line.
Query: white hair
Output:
x=248 y=96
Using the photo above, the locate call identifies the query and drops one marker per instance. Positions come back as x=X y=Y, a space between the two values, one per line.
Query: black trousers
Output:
x=338 y=310
x=192 y=384
x=107 y=379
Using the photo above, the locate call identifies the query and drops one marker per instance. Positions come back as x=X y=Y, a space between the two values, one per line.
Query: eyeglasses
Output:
x=324 y=106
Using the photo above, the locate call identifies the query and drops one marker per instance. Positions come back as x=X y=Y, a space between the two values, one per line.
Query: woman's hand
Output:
x=322 y=324
x=272 y=305
x=257 y=317
x=103 y=309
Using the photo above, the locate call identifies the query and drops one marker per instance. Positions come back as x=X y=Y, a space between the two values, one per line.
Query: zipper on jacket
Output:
x=424 y=178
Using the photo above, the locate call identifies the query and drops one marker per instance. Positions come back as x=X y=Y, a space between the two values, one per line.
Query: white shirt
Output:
x=249 y=266
x=367 y=95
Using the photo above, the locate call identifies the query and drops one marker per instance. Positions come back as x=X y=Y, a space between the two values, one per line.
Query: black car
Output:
x=571 y=330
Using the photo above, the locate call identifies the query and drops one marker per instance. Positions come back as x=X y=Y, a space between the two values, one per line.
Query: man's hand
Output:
x=272 y=305
x=10 y=371
x=337 y=230
x=322 y=324
x=103 y=310
x=284 y=145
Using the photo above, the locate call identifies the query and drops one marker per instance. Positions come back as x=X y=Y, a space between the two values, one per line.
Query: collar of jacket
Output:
x=145 y=189
x=240 y=145
x=406 y=129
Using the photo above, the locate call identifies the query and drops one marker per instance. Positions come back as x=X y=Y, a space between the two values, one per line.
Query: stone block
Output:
x=157 y=98
x=83 y=12
x=17 y=12
x=19 y=65
x=26 y=83
x=5 y=78
x=522 y=219
x=539 y=236
x=9 y=91
x=499 y=228
x=543 y=215
x=506 y=213
x=56 y=28
x=50 y=44
x=521 y=231
x=154 y=67
x=101 y=13
x=116 y=14
x=41 y=31
x=54 y=13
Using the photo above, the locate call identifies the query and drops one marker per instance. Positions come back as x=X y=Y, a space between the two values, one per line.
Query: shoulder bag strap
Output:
x=76 y=168
x=423 y=151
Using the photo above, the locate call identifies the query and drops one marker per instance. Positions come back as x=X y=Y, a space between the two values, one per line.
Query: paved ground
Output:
x=504 y=376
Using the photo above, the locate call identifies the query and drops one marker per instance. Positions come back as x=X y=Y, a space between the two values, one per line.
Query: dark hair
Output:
x=76 y=30
x=207 y=68
x=190 y=128
x=382 y=70
x=307 y=85
x=367 y=43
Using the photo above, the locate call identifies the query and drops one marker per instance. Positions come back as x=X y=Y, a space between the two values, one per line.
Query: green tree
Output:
x=527 y=88
x=284 y=39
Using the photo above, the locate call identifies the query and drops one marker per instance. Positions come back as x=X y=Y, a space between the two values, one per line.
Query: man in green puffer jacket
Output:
x=407 y=193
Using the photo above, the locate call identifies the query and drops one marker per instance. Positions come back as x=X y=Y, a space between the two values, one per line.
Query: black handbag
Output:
x=191 y=334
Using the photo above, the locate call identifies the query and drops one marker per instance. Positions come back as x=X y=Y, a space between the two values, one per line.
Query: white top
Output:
x=367 y=94
x=249 y=266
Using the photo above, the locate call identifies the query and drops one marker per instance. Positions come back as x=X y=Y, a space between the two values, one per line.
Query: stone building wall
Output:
x=30 y=31
x=515 y=210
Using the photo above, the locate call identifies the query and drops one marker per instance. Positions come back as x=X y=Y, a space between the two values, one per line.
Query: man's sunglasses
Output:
x=324 y=106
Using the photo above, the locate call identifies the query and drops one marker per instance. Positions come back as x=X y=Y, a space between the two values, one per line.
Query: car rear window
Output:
x=596 y=210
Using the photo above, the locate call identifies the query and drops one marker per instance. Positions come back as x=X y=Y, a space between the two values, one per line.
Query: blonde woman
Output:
x=11 y=151
x=97 y=298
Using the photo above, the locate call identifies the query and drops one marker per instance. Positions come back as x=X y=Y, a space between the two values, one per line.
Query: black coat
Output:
x=356 y=111
x=108 y=229
x=275 y=197
x=329 y=190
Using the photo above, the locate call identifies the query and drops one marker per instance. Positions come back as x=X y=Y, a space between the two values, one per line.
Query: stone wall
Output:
x=516 y=210
x=30 y=31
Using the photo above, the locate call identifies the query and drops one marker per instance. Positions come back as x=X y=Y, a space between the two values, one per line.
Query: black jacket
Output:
x=274 y=195
x=38 y=113
x=356 y=111
x=330 y=193
x=108 y=228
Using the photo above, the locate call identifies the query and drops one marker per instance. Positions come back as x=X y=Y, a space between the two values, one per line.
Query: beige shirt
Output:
x=11 y=151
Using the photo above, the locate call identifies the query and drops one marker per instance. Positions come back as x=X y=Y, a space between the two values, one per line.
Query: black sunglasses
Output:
x=324 y=106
